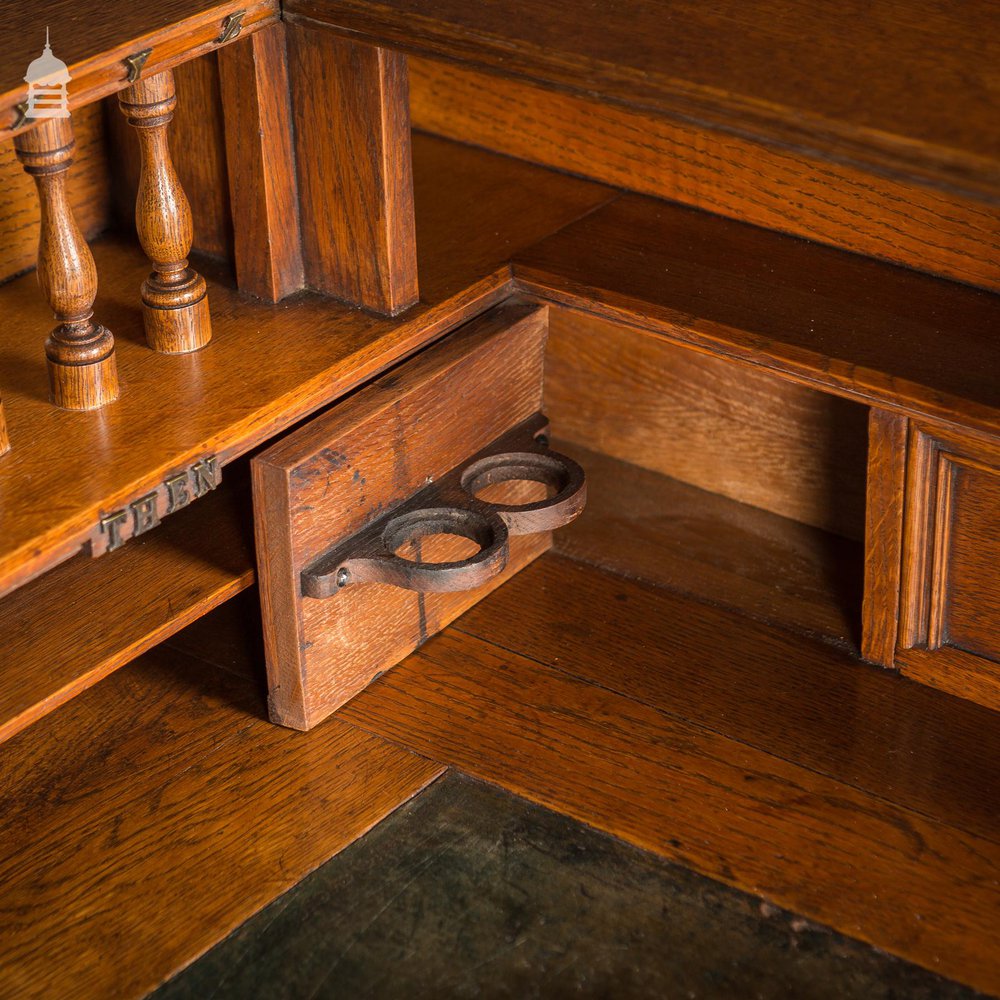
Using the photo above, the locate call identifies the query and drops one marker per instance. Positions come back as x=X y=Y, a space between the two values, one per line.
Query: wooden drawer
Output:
x=385 y=518
x=950 y=634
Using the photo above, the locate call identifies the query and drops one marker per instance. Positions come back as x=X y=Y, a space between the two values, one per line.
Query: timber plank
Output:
x=148 y=819
x=915 y=887
x=892 y=75
x=93 y=39
x=66 y=630
x=857 y=327
x=804 y=701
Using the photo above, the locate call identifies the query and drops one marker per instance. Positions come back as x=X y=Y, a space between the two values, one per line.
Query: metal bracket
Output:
x=135 y=62
x=231 y=27
x=450 y=506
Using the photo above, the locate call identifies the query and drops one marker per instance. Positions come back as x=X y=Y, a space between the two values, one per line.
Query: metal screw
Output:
x=343 y=577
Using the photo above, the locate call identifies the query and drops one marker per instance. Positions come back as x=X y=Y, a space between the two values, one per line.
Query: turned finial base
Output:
x=83 y=373
x=176 y=316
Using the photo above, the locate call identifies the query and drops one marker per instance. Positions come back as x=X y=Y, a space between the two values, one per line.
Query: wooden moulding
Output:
x=883 y=535
x=950 y=614
x=363 y=458
x=895 y=219
x=83 y=370
x=97 y=48
x=253 y=75
x=352 y=136
x=174 y=297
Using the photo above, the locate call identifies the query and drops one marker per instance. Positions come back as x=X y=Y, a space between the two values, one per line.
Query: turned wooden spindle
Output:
x=83 y=372
x=174 y=296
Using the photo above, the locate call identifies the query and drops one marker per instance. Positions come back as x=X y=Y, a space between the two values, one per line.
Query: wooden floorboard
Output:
x=150 y=817
x=916 y=887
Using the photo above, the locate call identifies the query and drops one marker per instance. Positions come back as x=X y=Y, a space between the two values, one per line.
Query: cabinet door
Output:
x=950 y=633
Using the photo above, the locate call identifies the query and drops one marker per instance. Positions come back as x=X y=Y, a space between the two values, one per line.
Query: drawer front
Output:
x=950 y=634
x=387 y=471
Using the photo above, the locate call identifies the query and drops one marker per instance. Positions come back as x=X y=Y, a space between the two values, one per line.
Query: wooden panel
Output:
x=972 y=619
x=261 y=162
x=88 y=185
x=482 y=209
x=887 y=434
x=756 y=683
x=198 y=145
x=913 y=886
x=950 y=596
x=892 y=74
x=94 y=39
x=647 y=527
x=333 y=476
x=859 y=327
x=724 y=172
x=248 y=386
x=149 y=818
x=66 y=630
x=352 y=137
x=726 y=428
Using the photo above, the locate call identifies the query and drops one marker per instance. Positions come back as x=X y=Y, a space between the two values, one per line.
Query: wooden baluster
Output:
x=83 y=372
x=174 y=296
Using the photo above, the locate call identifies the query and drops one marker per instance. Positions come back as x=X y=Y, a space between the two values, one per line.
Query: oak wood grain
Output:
x=887 y=439
x=350 y=107
x=93 y=40
x=175 y=307
x=249 y=387
x=88 y=188
x=742 y=432
x=69 y=628
x=197 y=137
x=913 y=886
x=261 y=164
x=79 y=350
x=146 y=820
x=648 y=527
x=891 y=76
x=792 y=191
x=811 y=704
x=321 y=484
x=857 y=327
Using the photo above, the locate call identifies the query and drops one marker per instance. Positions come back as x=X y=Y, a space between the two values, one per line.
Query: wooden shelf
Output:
x=886 y=97
x=850 y=325
x=94 y=39
x=267 y=365
x=66 y=630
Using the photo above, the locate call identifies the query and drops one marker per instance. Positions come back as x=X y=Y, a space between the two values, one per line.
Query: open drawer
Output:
x=385 y=518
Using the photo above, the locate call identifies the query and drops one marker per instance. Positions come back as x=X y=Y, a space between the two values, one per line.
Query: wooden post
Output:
x=83 y=373
x=253 y=78
x=4 y=439
x=351 y=112
x=174 y=297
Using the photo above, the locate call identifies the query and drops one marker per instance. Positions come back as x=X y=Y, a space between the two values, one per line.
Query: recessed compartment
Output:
x=711 y=477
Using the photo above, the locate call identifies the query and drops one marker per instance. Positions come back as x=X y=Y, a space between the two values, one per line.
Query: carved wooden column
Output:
x=83 y=373
x=174 y=296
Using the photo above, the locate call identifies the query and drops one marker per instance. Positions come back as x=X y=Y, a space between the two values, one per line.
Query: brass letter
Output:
x=177 y=494
x=144 y=514
x=112 y=527
x=206 y=476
